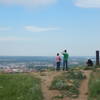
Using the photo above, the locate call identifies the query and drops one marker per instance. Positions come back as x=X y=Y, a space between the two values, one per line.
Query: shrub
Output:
x=59 y=84
x=74 y=75
x=68 y=83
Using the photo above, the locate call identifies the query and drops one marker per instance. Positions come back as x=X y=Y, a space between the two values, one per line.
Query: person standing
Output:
x=65 y=60
x=58 y=62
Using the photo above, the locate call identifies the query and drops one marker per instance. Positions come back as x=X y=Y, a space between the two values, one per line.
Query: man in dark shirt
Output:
x=89 y=62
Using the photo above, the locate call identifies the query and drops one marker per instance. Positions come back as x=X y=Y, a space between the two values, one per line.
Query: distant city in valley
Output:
x=28 y=63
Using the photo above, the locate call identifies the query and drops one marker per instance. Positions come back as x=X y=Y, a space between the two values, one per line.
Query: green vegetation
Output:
x=58 y=97
x=94 y=86
x=68 y=83
x=20 y=87
x=90 y=68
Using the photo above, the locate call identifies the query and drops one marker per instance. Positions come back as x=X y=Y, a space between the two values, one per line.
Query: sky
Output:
x=47 y=27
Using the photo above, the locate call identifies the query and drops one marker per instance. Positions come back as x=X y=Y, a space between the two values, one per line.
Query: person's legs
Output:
x=63 y=64
x=58 y=66
x=66 y=65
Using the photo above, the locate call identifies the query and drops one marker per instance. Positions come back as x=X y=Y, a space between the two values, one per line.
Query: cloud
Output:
x=5 y=28
x=40 y=29
x=87 y=3
x=27 y=2
x=14 y=39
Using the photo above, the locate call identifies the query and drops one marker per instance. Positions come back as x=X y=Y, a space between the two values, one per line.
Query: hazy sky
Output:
x=45 y=27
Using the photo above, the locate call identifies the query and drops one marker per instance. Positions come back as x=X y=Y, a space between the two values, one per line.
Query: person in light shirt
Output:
x=58 y=62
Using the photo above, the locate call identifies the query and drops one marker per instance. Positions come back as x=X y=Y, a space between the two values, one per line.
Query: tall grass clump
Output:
x=94 y=86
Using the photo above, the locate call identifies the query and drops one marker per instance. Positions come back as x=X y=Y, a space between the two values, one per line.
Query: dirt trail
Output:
x=46 y=82
x=84 y=87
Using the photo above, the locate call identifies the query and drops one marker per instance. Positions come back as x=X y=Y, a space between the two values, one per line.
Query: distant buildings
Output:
x=23 y=67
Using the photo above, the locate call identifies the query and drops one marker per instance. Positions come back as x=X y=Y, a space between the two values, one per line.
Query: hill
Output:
x=75 y=84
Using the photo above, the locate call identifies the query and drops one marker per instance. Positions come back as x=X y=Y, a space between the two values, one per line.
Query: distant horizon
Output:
x=45 y=56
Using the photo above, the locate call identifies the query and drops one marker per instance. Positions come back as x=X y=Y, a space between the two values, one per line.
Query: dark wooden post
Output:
x=97 y=57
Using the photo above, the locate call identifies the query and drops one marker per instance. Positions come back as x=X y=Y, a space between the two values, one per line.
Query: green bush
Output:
x=74 y=75
x=59 y=84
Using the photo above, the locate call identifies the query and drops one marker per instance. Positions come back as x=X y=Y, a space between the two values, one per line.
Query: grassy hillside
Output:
x=20 y=87
x=94 y=86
